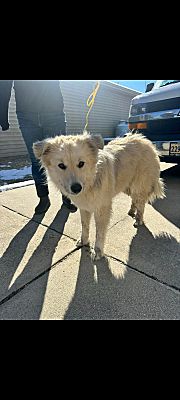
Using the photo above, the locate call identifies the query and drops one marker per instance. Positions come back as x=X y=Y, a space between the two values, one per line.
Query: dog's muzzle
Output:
x=76 y=188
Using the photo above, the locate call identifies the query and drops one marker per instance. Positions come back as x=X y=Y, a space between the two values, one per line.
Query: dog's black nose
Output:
x=76 y=188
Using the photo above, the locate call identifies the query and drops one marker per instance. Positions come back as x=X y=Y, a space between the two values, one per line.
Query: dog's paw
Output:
x=81 y=243
x=138 y=223
x=96 y=254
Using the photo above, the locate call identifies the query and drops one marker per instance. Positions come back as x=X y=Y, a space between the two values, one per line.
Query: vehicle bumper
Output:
x=168 y=149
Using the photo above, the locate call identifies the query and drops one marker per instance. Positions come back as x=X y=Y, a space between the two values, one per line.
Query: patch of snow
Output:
x=15 y=173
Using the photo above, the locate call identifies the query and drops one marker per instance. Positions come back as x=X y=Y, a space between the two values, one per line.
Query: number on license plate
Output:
x=174 y=148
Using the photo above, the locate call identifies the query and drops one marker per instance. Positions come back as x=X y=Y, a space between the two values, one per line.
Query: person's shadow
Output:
x=13 y=255
x=100 y=295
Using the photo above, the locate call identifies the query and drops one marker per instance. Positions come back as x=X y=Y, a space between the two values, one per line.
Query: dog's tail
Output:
x=158 y=191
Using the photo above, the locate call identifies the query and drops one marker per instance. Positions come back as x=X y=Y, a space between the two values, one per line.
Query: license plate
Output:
x=174 y=148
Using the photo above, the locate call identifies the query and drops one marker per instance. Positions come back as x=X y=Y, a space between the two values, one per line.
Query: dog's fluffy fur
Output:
x=91 y=175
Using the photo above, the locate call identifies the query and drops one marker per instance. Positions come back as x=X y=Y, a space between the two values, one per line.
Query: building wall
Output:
x=111 y=105
x=11 y=141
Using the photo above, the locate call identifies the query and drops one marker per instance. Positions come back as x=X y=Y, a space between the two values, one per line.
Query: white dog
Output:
x=91 y=175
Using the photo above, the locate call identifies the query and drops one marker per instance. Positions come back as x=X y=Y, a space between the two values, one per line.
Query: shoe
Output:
x=43 y=205
x=67 y=203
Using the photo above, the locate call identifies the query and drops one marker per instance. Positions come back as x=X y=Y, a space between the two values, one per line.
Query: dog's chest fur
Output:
x=102 y=190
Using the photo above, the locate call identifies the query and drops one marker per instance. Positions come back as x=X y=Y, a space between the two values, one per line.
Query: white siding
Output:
x=11 y=141
x=111 y=105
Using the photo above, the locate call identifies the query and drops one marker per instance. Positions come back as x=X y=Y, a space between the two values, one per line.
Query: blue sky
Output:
x=137 y=85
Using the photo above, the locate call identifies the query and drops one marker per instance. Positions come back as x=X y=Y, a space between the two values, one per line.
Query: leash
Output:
x=90 y=102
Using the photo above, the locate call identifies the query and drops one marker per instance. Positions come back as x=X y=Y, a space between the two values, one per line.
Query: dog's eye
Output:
x=62 y=166
x=81 y=164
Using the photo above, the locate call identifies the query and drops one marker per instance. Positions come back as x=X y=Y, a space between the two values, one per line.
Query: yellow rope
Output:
x=90 y=102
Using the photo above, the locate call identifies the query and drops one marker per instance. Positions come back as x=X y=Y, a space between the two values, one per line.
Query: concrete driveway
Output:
x=44 y=277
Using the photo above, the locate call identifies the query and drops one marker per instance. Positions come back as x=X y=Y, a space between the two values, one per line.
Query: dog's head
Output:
x=70 y=161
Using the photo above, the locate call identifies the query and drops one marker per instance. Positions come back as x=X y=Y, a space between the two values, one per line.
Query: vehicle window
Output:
x=160 y=84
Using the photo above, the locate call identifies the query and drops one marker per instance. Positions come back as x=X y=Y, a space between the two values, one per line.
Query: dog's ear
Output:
x=97 y=141
x=41 y=148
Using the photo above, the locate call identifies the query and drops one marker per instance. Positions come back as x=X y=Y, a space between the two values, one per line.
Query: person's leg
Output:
x=54 y=124
x=32 y=132
x=67 y=203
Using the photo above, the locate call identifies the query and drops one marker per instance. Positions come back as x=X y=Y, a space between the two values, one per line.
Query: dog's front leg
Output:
x=102 y=218
x=85 y=221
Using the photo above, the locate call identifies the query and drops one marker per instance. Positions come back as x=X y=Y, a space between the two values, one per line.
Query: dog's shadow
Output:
x=96 y=289
x=102 y=295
